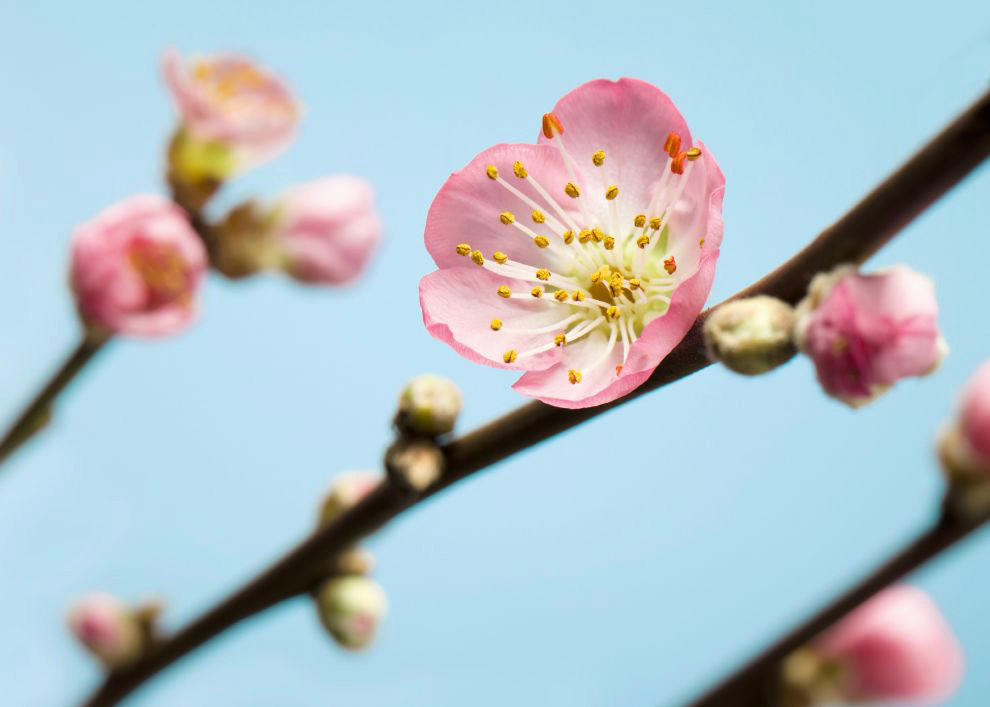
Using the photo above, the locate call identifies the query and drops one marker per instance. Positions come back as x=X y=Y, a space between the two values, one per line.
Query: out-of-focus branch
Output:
x=940 y=164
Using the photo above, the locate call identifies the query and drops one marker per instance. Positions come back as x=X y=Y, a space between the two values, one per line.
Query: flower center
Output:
x=608 y=278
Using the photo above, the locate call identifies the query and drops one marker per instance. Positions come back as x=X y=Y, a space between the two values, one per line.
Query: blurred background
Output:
x=574 y=574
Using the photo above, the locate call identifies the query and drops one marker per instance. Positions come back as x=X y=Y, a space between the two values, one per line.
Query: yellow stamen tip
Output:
x=559 y=340
x=611 y=192
x=561 y=295
x=463 y=249
x=536 y=292
x=538 y=217
x=568 y=236
x=477 y=257
x=598 y=158
x=542 y=274
x=506 y=217
x=577 y=296
x=510 y=355
x=572 y=190
x=618 y=369
x=504 y=291
x=608 y=242
x=670 y=265
x=634 y=284
x=541 y=241
x=574 y=376
x=584 y=236
x=496 y=324
x=692 y=154
x=500 y=257
x=598 y=235
x=612 y=312
x=596 y=277
x=491 y=172
x=655 y=223
x=643 y=241
x=640 y=220
x=519 y=170
x=552 y=126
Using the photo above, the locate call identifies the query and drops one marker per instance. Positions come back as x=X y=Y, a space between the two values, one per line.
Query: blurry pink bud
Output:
x=975 y=413
x=108 y=629
x=345 y=491
x=137 y=266
x=352 y=608
x=327 y=229
x=235 y=112
x=896 y=646
x=964 y=446
x=866 y=332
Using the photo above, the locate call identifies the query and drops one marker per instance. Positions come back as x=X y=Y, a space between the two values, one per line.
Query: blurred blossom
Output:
x=964 y=444
x=352 y=609
x=896 y=646
x=752 y=335
x=108 y=629
x=137 y=266
x=975 y=413
x=583 y=260
x=345 y=491
x=866 y=332
x=235 y=114
x=429 y=405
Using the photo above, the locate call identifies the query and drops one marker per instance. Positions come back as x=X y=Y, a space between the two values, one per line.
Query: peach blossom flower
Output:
x=581 y=260
x=137 y=266
x=866 y=332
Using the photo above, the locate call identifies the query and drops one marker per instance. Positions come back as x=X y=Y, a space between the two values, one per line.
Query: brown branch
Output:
x=940 y=164
x=38 y=411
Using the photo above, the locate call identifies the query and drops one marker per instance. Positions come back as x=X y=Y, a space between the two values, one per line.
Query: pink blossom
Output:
x=328 y=229
x=136 y=267
x=895 y=646
x=866 y=332
x=107 y=628
x=584 y=259
x=975 y=413
x=232 y=100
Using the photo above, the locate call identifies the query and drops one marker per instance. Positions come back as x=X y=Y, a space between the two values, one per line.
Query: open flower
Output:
x=896 y=646
x=136 y=267
x=581 y=260
x=235 y=113
x=866 y=332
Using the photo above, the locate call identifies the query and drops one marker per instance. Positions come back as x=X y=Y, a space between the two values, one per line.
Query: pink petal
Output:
x=975 y=413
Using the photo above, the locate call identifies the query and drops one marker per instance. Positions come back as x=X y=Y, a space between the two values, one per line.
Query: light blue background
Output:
x=632 y=561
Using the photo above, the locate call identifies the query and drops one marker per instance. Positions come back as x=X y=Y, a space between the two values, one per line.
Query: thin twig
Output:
x=38 y=411
x=942 y=163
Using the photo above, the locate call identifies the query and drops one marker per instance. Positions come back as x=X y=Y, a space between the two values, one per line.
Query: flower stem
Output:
x=871 y=223
x=38 y=412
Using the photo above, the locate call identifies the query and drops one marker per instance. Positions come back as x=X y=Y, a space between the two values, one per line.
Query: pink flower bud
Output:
x=352 y=608
x=866 y=332
x=345 y=491
x=108 y=629
x=896 y=646
x=237 y=113
x=136 y=267
x=975 y=413
x=328 y=229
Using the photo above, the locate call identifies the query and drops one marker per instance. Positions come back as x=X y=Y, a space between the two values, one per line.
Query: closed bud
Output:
x=345 y=491
x=429 y=405
x=415 y=463
x=108 y=629
x=351 y=608
x=751 y=336
x=964 y=447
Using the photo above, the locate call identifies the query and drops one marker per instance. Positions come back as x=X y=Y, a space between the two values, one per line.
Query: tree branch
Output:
x=940 y=164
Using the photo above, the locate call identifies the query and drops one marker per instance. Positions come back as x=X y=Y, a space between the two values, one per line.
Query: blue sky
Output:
x=570 y=575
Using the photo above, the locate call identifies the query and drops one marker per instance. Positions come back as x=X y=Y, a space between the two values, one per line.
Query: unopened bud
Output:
x=354 y=561
x=351 y=608
x=416 y=463
x=429 y=405
x=108 y=629
x=345 y=491
x=964 y=447
x=751 y=336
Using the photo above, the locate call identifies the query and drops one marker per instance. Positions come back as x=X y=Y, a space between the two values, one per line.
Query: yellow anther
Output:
x=536 y=292
x=634 y=284
x=701 y=243
x=597 y=234
x=504 y=291
x=639 y=221
x=611 y=192
x=568 y=236
x=584 y=236
x=608 y=242
x=541 y=241
x=463 y=249
x=574 y=376
x=542 y=274
x=559 y=340
x=577 y=296
x=612 y=312
x=500 y=257
x=571 y=190
x=477 y=257
x=552 y=126
x=618 y=369
x=670 y=265
x=692 y=154
x=598 y=158
x=616 y=279
x=655 y=223
x=510 y=355
x=596 y=277
x=643 y=241
x=506 y=217
x=561 y=295
x=496 y=324
x=491 y=172
x=519 y=170
x=538 y=217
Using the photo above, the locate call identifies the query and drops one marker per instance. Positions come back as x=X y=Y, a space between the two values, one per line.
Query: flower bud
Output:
x=327 y=229
x=108 y=629
x=429 y=405
x=964 y=447
x=345 y=491
x=351 y=608
x=896 y=646
x=751 y=336
x=235 y=114
x=137 y=267
x=866 y=332
x=415 y=463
